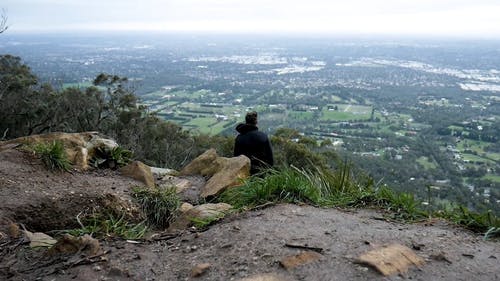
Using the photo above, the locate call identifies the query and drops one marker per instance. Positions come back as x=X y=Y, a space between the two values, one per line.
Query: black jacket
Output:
x=255 y=145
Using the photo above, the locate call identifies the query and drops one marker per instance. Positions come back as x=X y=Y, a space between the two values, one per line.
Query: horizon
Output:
x=419 y=19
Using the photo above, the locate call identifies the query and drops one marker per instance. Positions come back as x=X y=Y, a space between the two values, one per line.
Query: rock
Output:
x=39 y=239
x=79 y=147
x=223 y=172
x=300 y=259
x=71 y=244
x=204 y=212
x=188 y=187
x=230 y=174
x=391 y=259
x=202 y=165
x=209 y=210
x=266 y=277
x=185 y=207
x=139 y=171
x=160 y=173
x=200 y=269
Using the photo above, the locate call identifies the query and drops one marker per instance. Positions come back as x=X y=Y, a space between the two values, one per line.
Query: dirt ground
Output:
x=239 y=246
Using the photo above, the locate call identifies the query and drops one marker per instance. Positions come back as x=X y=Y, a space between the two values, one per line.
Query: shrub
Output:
x=52 y=155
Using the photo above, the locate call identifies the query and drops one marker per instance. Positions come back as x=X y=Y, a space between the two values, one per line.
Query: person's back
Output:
x=253 y=144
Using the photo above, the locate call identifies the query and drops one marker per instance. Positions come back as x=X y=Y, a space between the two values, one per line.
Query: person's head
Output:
x=251 y=118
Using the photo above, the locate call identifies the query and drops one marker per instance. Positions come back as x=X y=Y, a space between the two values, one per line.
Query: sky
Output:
x=455 y=18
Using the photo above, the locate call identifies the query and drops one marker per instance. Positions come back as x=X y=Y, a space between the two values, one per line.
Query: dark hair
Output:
x=251 y=118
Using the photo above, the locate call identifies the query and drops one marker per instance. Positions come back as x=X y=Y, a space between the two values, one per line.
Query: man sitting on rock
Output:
x=253 y=144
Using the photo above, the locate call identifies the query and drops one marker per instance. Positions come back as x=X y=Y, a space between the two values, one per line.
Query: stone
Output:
x=200 y=269
x=188 y=213
x=187 y=187
x=39 y=239
x=139 y=171
x=71 y=244
x=391 y=259
x=209 y=210
x=223 y=173
x=231 y=173
x=202 y=165
x=79 y=147
x=185 y=207
x=160 y=173
x=300 y=259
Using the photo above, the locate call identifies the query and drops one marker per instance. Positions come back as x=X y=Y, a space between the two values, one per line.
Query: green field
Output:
x=207 y=125
x=346 y=112
x=494 y=178
x=476 y=158
x=301 y=115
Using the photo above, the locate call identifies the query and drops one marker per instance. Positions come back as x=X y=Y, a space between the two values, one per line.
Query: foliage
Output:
x=340 y=189
x=159 y=205
x=288 y=152
x=110 y=226
x=52 y=155
x=111 y=158
x=286 y=185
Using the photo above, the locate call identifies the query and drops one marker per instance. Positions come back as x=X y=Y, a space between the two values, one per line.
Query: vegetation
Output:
x=52 y=155
x=99 y=225
x=111 y=158
x=108 y=106
x=159 y=205
x=340 y=189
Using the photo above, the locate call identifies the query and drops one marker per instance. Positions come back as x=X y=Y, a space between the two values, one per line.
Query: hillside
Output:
x=241 y=245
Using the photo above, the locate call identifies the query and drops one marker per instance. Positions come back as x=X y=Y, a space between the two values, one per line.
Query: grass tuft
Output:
x=53 y=156
x=340 y=189
x=159 y=205
x=110 y=226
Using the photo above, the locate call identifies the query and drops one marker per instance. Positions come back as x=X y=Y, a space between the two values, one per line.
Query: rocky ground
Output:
x=238 y=247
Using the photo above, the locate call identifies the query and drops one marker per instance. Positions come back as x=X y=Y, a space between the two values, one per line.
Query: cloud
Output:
x=331 y=16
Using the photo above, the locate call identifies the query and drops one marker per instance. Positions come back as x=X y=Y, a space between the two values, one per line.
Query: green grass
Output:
x=346 y=112
x=159 y=205
x=52 y=155
x=494 y=178
x=340 y=189
x=476 y=158
x=287 y=185
x=301 y=115
x=109 y=226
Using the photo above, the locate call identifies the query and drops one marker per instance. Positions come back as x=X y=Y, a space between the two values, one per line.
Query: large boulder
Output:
x=202 y=165
x=223 y=172
x=79 y=147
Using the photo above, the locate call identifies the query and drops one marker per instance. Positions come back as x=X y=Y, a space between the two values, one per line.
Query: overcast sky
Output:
x=407 y=17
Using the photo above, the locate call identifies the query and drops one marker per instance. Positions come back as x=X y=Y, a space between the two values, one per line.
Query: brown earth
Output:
x=239 y=246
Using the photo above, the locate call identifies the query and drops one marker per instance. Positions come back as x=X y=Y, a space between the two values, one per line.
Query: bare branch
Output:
x=3 y=21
